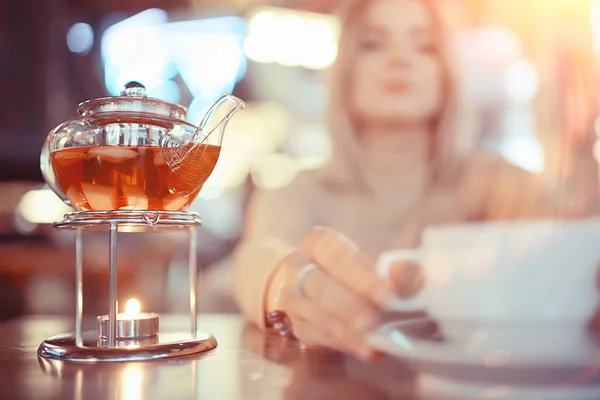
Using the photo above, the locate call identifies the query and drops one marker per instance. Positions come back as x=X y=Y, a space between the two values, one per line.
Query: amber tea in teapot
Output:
x=129 y=178
x=131 y=152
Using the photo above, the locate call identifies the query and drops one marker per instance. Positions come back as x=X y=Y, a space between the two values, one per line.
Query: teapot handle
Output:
x=48 y=171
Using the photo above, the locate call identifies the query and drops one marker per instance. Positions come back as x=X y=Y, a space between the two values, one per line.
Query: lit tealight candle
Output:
x=133 y=307
x=132 y=324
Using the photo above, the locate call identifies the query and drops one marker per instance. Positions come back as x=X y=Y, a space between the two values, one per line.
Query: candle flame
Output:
x=132 y=307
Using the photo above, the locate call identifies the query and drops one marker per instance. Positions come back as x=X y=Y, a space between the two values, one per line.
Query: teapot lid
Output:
x=133 y=99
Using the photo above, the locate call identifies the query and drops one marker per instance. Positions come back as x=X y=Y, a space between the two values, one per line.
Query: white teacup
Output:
x=526 y=271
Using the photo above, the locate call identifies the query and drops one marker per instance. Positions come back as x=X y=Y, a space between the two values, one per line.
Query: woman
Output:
x=401 y=161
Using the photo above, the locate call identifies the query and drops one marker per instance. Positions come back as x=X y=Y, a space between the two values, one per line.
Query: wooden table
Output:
x=247 y=364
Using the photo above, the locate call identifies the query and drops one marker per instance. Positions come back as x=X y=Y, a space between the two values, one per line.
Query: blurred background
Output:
x=532 y=76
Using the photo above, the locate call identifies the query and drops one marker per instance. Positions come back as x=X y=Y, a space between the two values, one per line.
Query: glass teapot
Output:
x=131 y=152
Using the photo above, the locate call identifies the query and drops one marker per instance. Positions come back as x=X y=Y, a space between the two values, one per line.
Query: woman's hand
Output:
x=332 y=294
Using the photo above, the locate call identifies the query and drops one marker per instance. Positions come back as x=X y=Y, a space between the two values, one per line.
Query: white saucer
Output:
x=526 y=355
x=431 y=387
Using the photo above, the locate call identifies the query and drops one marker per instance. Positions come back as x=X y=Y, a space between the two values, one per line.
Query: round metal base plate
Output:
x=170 y=344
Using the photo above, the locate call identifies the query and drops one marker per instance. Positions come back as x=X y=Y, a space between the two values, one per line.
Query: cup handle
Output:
x=384 y=264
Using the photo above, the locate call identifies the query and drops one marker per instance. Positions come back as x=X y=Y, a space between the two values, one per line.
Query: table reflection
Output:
x=324 y=374
x=247 y=364
x=131 y=381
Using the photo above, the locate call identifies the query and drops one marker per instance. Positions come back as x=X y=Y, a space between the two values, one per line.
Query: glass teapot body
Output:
x=131 y=152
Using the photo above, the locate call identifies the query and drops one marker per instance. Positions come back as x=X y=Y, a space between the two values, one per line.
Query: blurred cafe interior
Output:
x=531 y=71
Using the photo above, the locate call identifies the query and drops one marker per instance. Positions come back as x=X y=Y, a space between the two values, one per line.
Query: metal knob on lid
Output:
x=134 y=89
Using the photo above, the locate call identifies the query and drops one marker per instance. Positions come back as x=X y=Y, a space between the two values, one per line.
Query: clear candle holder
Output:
x=129 y=336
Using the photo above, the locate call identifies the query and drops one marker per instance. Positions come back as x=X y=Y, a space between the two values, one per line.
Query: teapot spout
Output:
x=193 y=161
x=228 y=104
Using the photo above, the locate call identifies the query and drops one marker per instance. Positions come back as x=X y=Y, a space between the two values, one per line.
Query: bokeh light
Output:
x=80 y=38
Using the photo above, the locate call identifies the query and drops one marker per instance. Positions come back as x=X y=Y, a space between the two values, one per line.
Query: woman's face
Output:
x=396 y=76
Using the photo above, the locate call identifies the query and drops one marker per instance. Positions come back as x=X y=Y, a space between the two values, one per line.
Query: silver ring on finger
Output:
x=302 y=275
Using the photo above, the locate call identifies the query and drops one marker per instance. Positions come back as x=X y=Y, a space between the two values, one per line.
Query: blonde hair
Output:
x=452 y=133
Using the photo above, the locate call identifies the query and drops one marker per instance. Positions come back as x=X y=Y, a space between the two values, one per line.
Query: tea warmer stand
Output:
x=123 y=337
